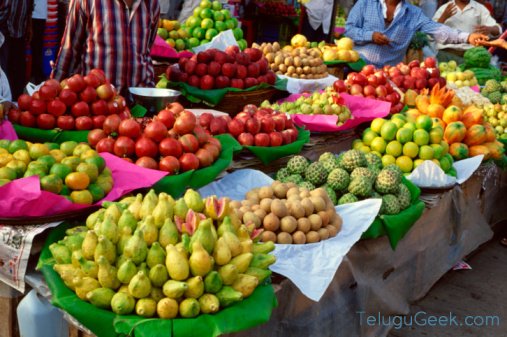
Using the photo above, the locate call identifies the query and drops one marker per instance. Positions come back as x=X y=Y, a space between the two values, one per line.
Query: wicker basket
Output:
x=233 y=102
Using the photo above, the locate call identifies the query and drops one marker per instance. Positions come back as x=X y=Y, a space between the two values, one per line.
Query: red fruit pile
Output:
x=253 y=126
x=215 y=69
x=376 y=83
x=172 y=141
x=76 y=103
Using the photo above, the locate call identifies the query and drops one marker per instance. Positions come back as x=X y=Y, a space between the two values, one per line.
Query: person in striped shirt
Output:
x=113 y=35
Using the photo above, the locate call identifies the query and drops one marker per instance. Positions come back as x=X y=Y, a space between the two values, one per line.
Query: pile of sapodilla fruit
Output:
x=296 y=62
x=289 y=214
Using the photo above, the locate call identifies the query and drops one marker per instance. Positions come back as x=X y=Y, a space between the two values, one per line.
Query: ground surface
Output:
x=478 y=293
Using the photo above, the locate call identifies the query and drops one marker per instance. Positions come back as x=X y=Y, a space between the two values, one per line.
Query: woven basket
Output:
x=233 y=102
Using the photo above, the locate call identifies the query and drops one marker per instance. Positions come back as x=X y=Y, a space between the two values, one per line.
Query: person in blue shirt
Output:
x=382 y=30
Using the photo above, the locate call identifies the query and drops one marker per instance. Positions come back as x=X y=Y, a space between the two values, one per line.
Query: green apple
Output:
x=216 y=5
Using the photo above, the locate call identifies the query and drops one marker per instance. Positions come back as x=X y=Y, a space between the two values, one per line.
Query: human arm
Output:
x=73 y=41
x=446 y=35
x=448 y=11
x=355 y=22
x=488 y=24
x=500 y=43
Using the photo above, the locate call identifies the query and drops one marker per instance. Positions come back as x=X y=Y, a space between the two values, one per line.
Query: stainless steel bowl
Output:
x=154 y=99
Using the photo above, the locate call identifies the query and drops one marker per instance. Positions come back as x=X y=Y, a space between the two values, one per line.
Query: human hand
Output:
x=380 y=39
x=495 y=43
x=476 y=38
x=482 y=30
x=449 y=11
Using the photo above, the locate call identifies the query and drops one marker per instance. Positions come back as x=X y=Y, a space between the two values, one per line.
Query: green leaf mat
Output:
x=253 y=311
x=396 y=226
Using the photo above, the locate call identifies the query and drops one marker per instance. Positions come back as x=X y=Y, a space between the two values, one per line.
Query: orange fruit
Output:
x=16 y=145
x=52 y=146
x=5 y=158
x=91 y=171
x=7 y=173
x=18 y=166
x=106 y=183
x=96 y=191
x=72 y=162
x=77 y=180
x=80 y=149
x=51 y=183
x=81 y=197
x=61 y=170
x=97 y=161
x=38 y=150
x=68 y=147
x=57 y=154
x=22 y=155
x=38 y=165
x=48 y=160
x=89 y=154
x=4 y=144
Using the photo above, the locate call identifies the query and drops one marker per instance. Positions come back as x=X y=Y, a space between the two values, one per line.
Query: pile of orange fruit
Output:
x=73 y=170
x=464 y=127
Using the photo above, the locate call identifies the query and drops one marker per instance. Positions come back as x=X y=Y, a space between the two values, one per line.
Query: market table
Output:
x=373 y=278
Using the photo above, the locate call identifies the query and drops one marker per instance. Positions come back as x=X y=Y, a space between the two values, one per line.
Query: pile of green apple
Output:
x=208 y=20
x=449 y=71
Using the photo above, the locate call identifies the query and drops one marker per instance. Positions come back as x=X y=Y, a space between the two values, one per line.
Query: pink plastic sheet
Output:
x=7 y=131
x=362 y=109
x=24 y=198
x=162 y=49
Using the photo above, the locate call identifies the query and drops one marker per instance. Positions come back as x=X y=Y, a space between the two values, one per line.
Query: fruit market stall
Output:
x=283 y=214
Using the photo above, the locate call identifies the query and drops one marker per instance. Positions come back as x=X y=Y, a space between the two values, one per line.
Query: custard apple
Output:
x=297 y=165
x=390 y=204
x=353 y=159
x=347 y=199
x=388 y=182
x=316 y=174
x=361 y=186
x=338 y=179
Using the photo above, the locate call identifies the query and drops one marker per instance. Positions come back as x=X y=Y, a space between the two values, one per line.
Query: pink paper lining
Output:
x=24 y=198
x=362 y=109
x=476 y=88
x=162 y=49
x=7 y=131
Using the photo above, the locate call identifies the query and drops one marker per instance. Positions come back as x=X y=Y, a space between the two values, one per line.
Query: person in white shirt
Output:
x=467 y=16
